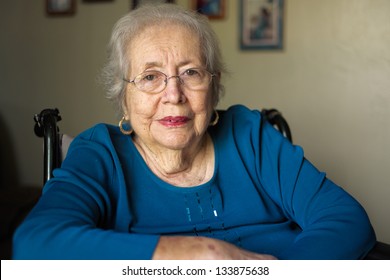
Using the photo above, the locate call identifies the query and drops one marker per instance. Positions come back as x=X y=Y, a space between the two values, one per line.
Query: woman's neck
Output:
x=187 y=167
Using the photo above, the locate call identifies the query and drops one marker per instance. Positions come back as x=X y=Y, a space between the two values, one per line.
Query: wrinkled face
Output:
x=176 y=117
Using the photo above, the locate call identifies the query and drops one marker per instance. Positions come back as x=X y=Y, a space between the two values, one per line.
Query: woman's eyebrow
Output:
x=152 y=64
x=159 y=64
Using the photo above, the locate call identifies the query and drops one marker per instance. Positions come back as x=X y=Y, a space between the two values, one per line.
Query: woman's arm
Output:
x=82 y=213
x=334 y=225
x=67 y=223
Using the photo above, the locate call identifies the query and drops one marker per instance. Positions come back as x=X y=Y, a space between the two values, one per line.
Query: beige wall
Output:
x=331 y=81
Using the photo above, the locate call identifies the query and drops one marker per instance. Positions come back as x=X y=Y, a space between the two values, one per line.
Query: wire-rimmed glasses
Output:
x=153 y=81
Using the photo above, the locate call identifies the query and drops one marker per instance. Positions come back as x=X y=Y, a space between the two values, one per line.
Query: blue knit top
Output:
x=264 y=196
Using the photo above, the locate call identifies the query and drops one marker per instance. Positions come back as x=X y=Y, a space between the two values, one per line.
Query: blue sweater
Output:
x=264 y=196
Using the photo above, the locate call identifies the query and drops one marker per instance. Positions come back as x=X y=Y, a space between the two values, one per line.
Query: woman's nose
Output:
x=173 y=92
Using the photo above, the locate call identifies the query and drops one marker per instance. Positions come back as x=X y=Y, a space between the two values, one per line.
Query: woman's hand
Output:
x=201 y=248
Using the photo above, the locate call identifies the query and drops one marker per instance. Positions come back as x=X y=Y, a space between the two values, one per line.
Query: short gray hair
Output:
x=127 y=28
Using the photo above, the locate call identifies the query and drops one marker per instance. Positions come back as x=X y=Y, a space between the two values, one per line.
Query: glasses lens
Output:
x=196 y=78
x=150 y=81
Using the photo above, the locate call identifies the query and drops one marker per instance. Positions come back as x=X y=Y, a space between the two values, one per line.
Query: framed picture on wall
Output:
x=136 y=3
x=261 y=24
x=60 y=7
x=213 y=9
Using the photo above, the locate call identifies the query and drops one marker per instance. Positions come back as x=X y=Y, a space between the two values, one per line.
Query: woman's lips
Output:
x=174 y=121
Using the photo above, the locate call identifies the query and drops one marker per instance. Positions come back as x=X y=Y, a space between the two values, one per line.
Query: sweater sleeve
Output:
x=76 y=216
x=334 y=225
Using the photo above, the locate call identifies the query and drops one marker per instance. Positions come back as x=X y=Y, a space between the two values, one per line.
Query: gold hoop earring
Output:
x=124 y=131
x=215 y=121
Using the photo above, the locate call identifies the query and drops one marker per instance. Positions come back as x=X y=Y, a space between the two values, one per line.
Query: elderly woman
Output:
x=178 y=179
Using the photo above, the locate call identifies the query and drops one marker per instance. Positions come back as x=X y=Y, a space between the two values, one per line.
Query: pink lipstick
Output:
x=171 y=121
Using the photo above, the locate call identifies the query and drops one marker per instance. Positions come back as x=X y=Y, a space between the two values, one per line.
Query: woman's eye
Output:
x=149 y=77
x=191 y=72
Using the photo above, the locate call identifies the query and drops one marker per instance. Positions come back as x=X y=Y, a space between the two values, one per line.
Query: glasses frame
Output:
x=167 y=78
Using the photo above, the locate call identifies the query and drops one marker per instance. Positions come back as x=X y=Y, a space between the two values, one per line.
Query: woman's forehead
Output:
x=157 y=46
x=170 y=33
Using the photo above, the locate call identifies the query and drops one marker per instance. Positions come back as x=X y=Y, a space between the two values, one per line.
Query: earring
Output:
x=215 y=121
x=124 y=131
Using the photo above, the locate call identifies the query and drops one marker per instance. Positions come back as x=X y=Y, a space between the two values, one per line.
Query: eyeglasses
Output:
x=153 y=81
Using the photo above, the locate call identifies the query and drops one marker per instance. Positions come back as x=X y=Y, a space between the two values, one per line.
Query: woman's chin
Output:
x=174 y=141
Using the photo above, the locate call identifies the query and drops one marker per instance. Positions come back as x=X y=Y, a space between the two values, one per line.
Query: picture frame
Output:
x=261 y=24
x=60 y=7
x=213 y=9
x=137 y=3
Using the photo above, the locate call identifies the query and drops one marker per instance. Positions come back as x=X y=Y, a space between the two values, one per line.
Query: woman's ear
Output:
x=124 y=113
x=124 y=107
